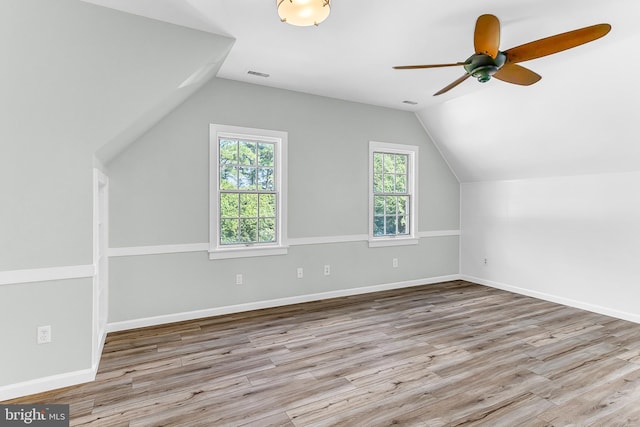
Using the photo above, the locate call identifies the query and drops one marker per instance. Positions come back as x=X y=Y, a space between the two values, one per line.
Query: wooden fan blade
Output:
x=557 y=43
x=413 y=67
x=452 y=85
x=516 y=74
x=486 y=38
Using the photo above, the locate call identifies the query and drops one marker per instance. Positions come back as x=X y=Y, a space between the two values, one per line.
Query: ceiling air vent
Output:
x=257 y=73
x=410 y=102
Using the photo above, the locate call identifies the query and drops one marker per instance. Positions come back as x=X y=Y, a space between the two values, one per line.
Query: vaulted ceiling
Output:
x=579 y=119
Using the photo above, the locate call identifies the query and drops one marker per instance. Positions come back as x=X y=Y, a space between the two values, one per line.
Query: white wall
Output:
x=160 y=196
x=574 y=240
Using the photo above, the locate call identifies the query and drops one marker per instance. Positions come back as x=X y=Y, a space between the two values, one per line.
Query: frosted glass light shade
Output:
x=303 y=13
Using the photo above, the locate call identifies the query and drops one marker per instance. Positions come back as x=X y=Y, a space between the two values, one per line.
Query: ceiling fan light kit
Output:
x=303 y=13
x=488 y=61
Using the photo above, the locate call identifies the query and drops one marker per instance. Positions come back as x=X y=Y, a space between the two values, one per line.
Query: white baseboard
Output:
x=78 y=377
x=623 y=315
x=52 y=382
x=238 y=308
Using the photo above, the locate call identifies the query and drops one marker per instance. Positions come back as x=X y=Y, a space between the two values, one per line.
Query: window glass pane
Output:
x=228 y=178
x=229 y=205
x=389 y=183
x=228 y=151
x=390 y=205
x=247 y=199
x=390 y=222
x=401 y=183
x=401 y=163
x=247 y=153
x=378 y=226
x=265 y=179
x=403 y=205
x=248 y=205
x=389 y=163
x=247 y=179
x=265 y=154
x=267 y=231
x=378 y=205
x=402 y=225
x=228 y=231
x=248 y=230
x=377 y=162
x=267 y=205
x=377 y=183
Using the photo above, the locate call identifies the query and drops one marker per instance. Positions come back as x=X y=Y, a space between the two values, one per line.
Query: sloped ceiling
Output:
x=579 y=119
x=87 y=75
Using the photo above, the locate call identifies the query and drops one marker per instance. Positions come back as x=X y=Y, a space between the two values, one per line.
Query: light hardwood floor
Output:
x=450 y=354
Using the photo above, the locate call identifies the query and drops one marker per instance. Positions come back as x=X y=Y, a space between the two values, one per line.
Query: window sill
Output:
x=247 y=252
x=393 y=241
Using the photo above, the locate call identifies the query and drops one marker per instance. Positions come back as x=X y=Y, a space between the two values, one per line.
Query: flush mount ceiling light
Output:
x=303 y=13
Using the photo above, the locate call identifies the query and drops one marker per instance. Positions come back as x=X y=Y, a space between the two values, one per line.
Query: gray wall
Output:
x=74 y=76
x=160 y=195
x=64 y=304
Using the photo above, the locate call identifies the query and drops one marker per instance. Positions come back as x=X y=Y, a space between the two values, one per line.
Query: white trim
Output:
x=461 y=239
x=158 y=249
x=12 y=277
x=413 y=154
x=95 y=363
x=258 y=305
x=248 y=253
x=280 y=140
x=393 y=241
x=101 y=263
x=299 y=241
x=52 y=382
x=631 y=317
x=438 y=233
x=99 y=179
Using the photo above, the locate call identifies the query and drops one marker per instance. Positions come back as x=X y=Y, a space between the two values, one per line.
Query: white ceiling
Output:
x=580 y=118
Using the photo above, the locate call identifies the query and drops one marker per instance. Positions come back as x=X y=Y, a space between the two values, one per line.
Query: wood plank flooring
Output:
x=450 y=354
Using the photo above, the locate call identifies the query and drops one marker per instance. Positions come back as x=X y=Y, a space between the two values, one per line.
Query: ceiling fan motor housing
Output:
x=482 y=66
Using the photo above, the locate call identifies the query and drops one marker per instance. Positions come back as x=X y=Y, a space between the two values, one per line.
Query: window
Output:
x=392 y=194
x=248 y=192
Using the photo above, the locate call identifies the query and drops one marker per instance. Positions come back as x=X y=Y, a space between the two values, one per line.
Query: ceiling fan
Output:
x=488 y=61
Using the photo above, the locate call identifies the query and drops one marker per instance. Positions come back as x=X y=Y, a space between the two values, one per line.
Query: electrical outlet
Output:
x=239 y=279
x=44 y=334
x=327 y=269
x=485 y=261
x=395 y=263
x=300 y=273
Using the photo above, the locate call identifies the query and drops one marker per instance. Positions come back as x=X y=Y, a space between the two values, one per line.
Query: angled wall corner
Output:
x=165 y=102
x=75 y=76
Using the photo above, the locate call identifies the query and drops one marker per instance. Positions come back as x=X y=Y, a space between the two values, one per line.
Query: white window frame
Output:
x=412 y=152
x=280 y=139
